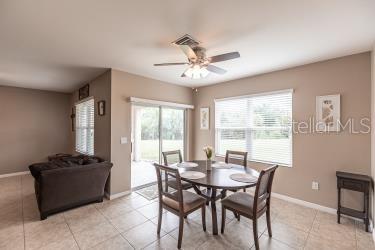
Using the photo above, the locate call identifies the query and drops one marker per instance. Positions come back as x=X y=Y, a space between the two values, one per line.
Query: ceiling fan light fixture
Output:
x=204 y=72
x=200 y=66
x=197 y=72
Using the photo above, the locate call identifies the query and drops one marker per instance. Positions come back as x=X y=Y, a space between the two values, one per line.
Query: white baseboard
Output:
x=14 y=174
x=305 y=203
x=373 y=235
x=318 y=207
x=118 y=195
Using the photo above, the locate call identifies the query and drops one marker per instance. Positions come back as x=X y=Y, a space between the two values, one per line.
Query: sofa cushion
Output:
x=82 y=159
x=63 y=162
x=73 y=159
x=90 y=160
x=37 y=168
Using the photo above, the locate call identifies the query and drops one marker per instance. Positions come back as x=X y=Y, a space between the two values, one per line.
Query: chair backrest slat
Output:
x=264 y=186
x=169 y=154
x=175 y=195
x=238 y=157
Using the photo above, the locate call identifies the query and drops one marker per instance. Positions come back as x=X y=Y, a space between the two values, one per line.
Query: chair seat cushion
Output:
x=191 y=201
x=173 y=183
x=243 y=203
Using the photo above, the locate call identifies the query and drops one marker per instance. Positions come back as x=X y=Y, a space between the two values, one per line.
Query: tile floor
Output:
x=143 y=173
x=130 y=223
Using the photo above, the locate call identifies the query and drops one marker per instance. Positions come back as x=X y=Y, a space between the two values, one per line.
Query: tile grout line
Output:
x=308 y=234
x=71 y=231
x=288 y=243
x=168 y=234
x=161 y=230
x=264 y=231
x=356 y=241
x=109 y=221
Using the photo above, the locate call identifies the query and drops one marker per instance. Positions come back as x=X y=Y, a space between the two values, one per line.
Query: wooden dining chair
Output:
x=252 y=207
x=239 y=158
x=179 y=202
x=172 y=157
x=236 y=157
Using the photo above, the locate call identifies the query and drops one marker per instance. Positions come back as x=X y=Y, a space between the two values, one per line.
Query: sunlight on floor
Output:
x=142 y=173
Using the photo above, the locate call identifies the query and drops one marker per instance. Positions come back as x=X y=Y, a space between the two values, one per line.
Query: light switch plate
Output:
x=315 y=185
x=124 y=140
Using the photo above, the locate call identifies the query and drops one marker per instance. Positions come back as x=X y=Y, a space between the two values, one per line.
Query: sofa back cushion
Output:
x=37 y=168
x=63 y=162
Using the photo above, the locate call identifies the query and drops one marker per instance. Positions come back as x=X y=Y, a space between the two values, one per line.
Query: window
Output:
x=259 y=124
x=85 y=127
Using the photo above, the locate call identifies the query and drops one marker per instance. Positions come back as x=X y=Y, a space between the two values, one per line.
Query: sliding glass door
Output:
x=154 y=129
x=173 y=130
x=146 y=141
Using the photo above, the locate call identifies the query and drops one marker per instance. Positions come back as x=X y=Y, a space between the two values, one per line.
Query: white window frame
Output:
x=87 y=127
x=291 y=91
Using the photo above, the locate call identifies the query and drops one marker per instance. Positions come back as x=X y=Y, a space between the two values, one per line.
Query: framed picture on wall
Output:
x=205 y=118
x=328 y=113
x=101 y=107
x=84 y=92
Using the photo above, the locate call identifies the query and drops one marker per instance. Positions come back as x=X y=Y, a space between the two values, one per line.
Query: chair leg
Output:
x=268 y=215
x=255 y=233
x=180 y=231
x=235 y=215
x=208 y=191
x=244 y=190
x=160 y=218
x=204 y=217
x=223 y=218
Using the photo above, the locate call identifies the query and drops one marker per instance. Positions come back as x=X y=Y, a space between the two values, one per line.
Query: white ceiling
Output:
x=58 y=45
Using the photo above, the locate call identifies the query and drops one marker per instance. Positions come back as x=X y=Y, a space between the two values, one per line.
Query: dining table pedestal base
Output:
x=212 y=196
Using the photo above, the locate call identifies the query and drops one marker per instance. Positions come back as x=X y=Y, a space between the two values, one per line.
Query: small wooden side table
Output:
x=355 y=182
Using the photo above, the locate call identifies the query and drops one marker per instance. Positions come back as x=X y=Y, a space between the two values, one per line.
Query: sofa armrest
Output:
x=63 y=187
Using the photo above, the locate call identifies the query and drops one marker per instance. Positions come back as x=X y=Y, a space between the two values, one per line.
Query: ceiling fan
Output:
x=199 y=64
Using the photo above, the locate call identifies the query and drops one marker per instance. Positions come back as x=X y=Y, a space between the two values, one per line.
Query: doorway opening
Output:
x=154 y=129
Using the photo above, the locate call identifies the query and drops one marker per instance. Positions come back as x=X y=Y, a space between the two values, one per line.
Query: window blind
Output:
x=85 y=127
x=259 y=124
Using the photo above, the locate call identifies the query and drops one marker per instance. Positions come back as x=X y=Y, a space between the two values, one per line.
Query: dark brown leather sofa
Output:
x=67 y=182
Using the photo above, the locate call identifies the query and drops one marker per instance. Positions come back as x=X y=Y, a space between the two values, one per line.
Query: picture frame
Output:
x=84 y=92
x=328 y=113
x=101 y=107
x=205 y=118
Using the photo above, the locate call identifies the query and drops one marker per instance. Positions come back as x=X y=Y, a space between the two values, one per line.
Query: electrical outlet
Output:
x=315 y=185
x=124 y=140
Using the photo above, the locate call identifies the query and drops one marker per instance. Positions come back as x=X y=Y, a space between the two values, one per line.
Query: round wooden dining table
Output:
x=217 y=178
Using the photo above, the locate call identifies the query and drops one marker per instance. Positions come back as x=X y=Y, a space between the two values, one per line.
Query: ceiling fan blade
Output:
x=224 y=57
x=169 y=64
x=215 y=69
x=189 y=52
x=183 y=74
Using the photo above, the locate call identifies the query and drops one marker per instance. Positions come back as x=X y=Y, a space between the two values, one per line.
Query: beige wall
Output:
x=33 y=125
x=100 y=89
x=125 y=85
x=315 y=156
x=373 y=123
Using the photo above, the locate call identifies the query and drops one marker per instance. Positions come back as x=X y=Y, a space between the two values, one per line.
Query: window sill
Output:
x=263 y=162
